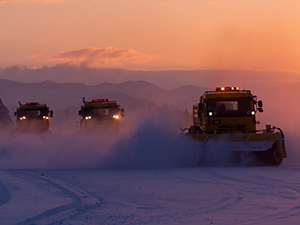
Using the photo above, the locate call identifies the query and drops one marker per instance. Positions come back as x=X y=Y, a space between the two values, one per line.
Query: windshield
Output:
x=101 y=112
x=230 y=107
x=31 y=113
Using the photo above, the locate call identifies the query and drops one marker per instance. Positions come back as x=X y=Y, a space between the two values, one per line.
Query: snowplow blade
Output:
x=268 y=147
x=251 y=146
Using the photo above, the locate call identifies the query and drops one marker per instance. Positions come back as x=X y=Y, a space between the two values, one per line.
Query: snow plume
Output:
x=72 y=150
x=292 y=147
x=152 y=140
x=218 y=154
x=155 y=142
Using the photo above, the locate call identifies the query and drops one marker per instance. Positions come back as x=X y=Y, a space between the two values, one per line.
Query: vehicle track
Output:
x=231 y=194
x=288 y=191
x=239 y=195
x=82 y=201
x=238 y=183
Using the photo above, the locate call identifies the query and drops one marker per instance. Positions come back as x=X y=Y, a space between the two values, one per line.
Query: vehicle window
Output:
x=228 y=107
x=101 y=111
x=33 y=113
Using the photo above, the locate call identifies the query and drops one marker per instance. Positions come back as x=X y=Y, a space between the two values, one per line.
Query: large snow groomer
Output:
x=101 y=114
x=226 y=118
x=33 y=117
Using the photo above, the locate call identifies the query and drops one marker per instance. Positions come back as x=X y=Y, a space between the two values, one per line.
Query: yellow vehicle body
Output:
x=226 y=118
x=33 y=117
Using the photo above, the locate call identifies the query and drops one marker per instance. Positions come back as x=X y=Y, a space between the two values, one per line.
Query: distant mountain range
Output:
x=166 y=79
x=66 y=99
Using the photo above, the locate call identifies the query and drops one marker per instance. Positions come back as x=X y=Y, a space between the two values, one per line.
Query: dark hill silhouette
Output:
x=167 y=79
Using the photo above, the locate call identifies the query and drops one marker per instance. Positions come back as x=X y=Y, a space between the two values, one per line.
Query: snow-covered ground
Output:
x=146 y=175
x=198 y=195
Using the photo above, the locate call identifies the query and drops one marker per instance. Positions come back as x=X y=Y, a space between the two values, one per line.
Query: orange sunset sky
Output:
x=152 y=34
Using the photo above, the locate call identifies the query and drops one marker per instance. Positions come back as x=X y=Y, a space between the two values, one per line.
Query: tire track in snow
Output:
x=287 y=191
x=77 y=195
x=231 y=195
x=264 y=180
x=239 y=184
x=4 y=194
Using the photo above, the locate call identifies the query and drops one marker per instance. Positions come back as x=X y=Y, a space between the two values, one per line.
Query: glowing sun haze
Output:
x=142 y=34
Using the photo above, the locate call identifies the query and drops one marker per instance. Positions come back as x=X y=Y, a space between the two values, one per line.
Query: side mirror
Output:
x=51 y=113
x=79 y=112
x=15 y=113
x=200 y=109
x=259 y=103
x=200 y=106
x=122 y=112
x=260 y=110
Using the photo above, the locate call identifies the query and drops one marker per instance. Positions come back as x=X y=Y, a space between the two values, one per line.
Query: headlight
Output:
x=251 y=112
x=210 y=113
x=23 y=118
x=88 y=117
x=116 y=116
x=45 y=117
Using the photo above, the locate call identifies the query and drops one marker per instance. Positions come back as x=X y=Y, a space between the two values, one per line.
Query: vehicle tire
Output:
x=270 y=157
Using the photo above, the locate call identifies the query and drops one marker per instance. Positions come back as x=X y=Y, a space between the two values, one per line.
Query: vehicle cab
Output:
x=33 y=117
x=227 y=110
x=100 y=114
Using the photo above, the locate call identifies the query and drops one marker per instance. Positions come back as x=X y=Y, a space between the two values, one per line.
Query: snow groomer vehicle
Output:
x=226 y=117
x=100 y=114
x=33 y=117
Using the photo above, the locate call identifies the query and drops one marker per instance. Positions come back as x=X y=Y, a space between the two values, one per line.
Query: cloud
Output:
x=43 y=1
x=211 y=2
x=98 y=57
x=163 y=4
